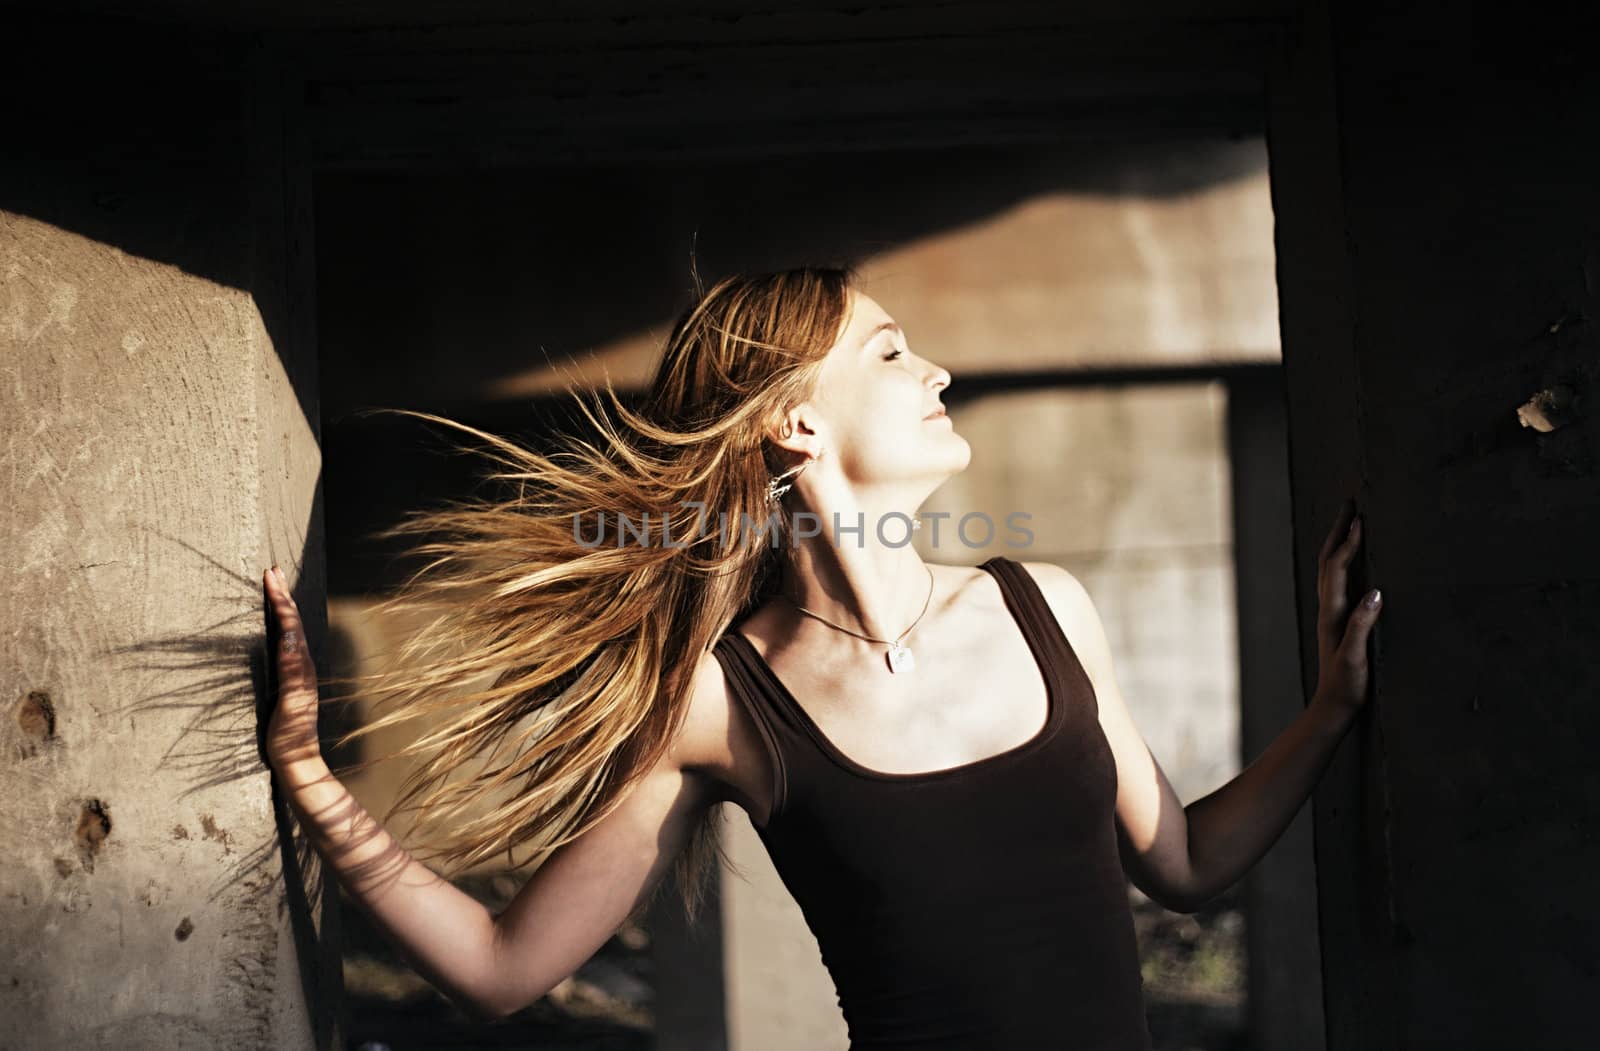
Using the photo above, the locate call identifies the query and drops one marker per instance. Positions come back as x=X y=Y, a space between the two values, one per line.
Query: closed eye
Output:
x=892 y=354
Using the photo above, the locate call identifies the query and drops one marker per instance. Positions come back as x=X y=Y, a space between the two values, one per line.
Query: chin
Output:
x=961 y=455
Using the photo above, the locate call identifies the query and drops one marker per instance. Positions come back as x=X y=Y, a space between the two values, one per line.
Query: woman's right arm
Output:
x=490 y=965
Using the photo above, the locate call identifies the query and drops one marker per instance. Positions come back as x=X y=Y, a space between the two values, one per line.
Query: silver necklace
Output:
x=899 y=655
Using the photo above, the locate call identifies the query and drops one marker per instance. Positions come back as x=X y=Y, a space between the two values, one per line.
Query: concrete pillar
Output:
x=1284 y=962
x=157 y=397
x=1439 y=250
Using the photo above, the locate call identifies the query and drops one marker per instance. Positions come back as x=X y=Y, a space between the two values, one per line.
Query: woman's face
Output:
x=874 y=397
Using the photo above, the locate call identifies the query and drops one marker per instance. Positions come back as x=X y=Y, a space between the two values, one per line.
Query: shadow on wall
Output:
x=145 y=145
x=433 y=286
x=154 y=141
x=216 y=683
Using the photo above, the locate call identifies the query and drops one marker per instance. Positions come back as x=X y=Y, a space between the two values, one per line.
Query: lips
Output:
x=935 y=414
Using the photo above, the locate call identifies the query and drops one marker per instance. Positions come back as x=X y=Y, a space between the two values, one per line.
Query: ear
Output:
x=797 y=432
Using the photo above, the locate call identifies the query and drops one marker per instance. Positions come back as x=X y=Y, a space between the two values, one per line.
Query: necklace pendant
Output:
x=900 y=659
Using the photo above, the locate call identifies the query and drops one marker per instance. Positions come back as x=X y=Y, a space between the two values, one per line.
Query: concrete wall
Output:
x=155 y=366
x=492 y=287
x=1439 y=249
x=1283 y=949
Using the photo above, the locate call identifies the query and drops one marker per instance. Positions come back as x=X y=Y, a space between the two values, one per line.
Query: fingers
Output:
x=1354 y=646
x=1339 y=532
x=292 y=730
x=294 y=658
x=1343 y=540
x=1344 y=637
x=1337 y=623
x=1337 y=566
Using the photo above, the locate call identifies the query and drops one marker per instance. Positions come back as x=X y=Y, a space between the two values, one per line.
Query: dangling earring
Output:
x=775 y=491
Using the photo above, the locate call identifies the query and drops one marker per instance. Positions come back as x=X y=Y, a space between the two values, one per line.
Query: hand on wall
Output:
x=1342 y=674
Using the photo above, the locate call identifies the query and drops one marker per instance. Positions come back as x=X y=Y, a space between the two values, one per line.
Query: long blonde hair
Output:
x=592 y=642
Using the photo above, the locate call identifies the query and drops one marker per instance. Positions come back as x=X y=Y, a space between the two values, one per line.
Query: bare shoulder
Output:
x=1074 y=610
x=1061 y=589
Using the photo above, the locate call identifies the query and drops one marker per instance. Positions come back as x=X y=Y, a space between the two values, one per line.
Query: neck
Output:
x=859 y=583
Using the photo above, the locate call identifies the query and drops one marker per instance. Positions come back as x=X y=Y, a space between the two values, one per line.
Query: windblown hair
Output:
x=584 y=646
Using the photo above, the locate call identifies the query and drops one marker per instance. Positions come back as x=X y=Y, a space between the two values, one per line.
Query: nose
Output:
x=941 y=378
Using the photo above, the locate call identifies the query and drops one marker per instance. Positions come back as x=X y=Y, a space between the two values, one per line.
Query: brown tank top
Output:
x=981 y=906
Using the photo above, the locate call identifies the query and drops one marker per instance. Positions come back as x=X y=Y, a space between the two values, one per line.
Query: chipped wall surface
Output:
x=157 y=458
x=140 y=893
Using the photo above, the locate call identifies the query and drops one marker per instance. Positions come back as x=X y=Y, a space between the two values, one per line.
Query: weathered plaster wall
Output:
x=158 y=454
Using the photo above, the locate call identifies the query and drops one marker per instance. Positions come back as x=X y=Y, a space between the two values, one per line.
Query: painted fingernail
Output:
x=1355 y=526
x=1373 y=598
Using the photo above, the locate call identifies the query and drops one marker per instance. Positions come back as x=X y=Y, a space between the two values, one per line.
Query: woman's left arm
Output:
x=1184 y=856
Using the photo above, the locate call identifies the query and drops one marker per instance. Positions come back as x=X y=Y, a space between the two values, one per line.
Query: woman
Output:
x=937 y=757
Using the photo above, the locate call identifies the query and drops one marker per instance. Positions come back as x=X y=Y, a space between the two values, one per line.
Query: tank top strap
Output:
x=1036 y=618
x=795 y=747
x=773 y=722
